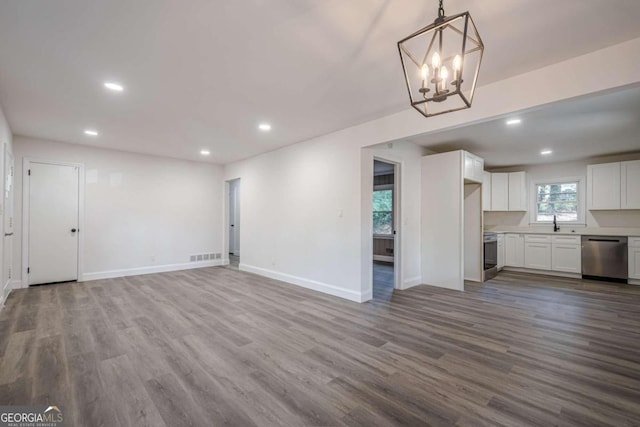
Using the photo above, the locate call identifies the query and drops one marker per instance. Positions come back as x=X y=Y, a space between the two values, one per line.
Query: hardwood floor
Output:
x=383 y=280
x=218 y=346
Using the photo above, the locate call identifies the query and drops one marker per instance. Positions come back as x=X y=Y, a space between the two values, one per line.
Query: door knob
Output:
x=73 y=230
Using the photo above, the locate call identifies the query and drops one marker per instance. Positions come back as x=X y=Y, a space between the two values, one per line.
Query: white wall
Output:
x=142 y=213
x=627 y=219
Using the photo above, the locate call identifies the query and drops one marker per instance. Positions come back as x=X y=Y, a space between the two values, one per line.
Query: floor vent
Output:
x=204 y=257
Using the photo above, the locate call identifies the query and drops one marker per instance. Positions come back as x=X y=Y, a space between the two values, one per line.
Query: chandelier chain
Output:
x=441 y=9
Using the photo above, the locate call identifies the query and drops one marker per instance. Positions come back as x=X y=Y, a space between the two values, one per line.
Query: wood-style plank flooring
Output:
x=217 y=346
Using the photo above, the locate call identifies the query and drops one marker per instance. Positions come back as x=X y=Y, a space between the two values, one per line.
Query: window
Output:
x=383 y=212
x=560 y=199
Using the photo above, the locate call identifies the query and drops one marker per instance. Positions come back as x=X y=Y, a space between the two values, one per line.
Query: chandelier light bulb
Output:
x=444 y=75
x=424 y=72
x=457 y=62
x=435 y=60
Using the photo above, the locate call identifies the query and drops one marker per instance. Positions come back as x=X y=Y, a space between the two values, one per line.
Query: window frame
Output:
x=581 y=194
x=384 y=187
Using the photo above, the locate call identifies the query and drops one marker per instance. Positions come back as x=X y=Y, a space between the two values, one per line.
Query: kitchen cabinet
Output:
x=537 y=252
x=514 y=250
x=517 y=191
x=630 y=185
x=566 y=254
x=486 y=191
x=501 y=252
x=634 y=257
x=603 y=186
x=473 y=168
x=507 y=192
x=499 y=191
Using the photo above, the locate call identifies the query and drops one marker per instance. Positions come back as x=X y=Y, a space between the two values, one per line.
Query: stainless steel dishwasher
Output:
x=605 y=257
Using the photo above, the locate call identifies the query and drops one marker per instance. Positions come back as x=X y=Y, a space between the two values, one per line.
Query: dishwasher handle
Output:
x=605 y=240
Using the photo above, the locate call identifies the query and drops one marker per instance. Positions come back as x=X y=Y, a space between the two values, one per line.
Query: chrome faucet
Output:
x=555 y=225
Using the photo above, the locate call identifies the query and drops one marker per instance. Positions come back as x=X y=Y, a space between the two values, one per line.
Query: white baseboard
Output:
x=149 y=270
x=411 y=282
x=633 y=282
x=543 y=272
x=306 y=283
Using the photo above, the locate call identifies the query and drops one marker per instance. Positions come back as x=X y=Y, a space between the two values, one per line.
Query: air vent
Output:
x=204 y=257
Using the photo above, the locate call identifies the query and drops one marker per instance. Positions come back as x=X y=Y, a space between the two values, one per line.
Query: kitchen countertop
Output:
x=567 y=230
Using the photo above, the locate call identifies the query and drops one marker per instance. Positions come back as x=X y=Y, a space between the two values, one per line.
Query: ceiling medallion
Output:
x=441 y=64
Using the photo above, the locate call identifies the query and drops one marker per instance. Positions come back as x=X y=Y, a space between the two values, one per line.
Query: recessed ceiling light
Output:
x=116 y=87
x=546 y=152
x=205 y=152
x=91 y=132
x=265 y=127
x=513 y=122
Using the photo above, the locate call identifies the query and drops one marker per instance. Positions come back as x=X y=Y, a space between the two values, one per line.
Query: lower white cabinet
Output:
x=500 y=251
x=634 y=257
x=566 y=254
x=514 y=250
x=537 y=255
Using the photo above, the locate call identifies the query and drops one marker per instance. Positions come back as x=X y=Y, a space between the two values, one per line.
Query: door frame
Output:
x=226 y=220
x=26 y=165
x=397 y=223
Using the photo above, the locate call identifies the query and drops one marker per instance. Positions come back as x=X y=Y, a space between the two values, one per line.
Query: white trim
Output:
x=582 y=195
x=543 y=272
x=411 y=282
x=306 y=283
x=633 y=282
x=384 y=258
x=398 y=167
x=26 y=165
x=150 y=270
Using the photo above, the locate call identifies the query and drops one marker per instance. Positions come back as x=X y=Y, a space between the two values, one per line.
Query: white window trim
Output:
x=582 y=195
x=383 y=187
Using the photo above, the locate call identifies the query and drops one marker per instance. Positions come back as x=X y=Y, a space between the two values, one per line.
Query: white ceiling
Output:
x=202 y=74
x=574 y=129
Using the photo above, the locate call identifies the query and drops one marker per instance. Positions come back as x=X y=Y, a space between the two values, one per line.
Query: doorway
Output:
x=385 y=217
x=8 y=218
x=52 y=219
x=234 y=222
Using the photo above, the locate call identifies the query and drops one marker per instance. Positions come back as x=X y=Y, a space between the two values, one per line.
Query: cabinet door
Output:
x=473 y=167
x=514 y=250
x=478 y=169
x=537 y=256
x=500 y=253
x=517 y=191
x=603 y=186
x=499 y=191
x=566 y=258
x=634 y=263
x=486 y=191
x=630 y=185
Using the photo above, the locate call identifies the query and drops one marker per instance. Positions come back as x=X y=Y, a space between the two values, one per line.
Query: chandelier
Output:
x=441 y=64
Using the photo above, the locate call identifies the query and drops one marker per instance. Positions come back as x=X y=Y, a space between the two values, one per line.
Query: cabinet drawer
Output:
x=566 y=240
x=537 y=238
x=634 y=242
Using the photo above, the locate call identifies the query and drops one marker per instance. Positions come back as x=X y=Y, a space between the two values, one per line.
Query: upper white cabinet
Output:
x=613 y=186
x=630 y=185
x=517 y=191
x=507 y=192
x=473 y=167
x=603 y=186
x=499 y=191
x=486 y=191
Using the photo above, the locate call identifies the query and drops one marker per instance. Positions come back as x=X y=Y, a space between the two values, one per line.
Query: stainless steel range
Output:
x=490 y=243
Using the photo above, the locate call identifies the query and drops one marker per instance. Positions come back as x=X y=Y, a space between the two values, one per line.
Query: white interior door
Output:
x=53 y=223
x=234 y=217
